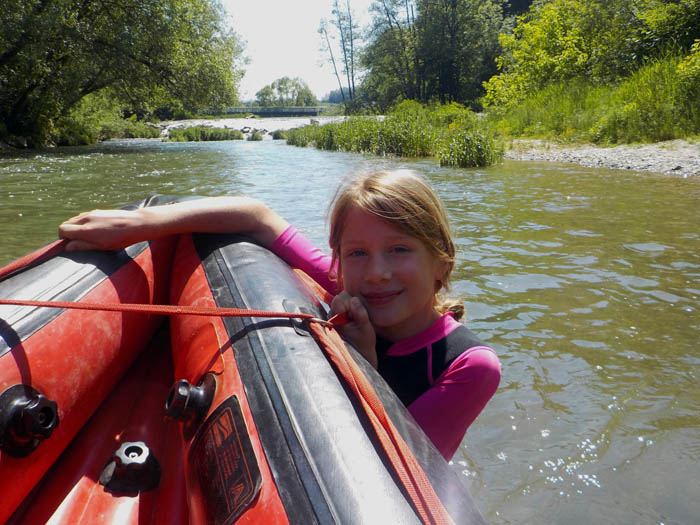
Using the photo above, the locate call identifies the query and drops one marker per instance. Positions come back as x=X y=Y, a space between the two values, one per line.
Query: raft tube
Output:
x=304 y=450
x=261 y=428
x=57 y=366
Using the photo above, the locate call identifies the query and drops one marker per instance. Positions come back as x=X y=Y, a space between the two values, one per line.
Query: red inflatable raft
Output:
x=128 y=417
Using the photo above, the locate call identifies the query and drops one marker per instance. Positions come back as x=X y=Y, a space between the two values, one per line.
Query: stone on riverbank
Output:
x=676 y=157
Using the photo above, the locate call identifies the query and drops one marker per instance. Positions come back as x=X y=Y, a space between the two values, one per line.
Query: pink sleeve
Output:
x=461 y=392
x=299 y=252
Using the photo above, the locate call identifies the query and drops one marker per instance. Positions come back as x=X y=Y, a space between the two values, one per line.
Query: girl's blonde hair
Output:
x=408 y=203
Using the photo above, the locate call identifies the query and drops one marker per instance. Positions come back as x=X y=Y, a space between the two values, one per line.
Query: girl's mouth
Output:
x=381 y=298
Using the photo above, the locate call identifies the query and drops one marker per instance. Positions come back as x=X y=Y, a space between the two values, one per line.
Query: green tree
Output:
x=265 y=97
x=431 y=50
x=348 y=34
x=55 y=52
x=457 y=44
x=601 y=41
x=343 y=28
x=389 y=57
x=286 y=91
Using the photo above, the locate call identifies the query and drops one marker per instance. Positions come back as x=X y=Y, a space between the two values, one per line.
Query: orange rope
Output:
x=162 y=309
x=419 y=489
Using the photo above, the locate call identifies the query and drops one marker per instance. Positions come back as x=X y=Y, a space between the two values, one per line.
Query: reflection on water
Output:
x=586 y=282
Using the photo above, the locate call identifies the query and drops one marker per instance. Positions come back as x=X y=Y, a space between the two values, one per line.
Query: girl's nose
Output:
x=378 y=269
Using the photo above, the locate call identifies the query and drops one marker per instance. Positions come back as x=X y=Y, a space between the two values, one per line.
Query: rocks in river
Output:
x=244 y=124
x=248 y=129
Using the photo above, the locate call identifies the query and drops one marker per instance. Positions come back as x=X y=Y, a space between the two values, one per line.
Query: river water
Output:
x=586 y=282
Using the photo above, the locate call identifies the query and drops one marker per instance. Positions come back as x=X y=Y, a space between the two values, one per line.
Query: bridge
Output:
x=276 y=111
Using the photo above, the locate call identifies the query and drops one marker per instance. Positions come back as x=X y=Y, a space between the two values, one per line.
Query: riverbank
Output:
x=674 y=157
x=265 y=126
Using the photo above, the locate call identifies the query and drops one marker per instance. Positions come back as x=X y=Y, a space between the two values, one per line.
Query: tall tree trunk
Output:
x=352 y=51
x=323 y=30
x=342 y=31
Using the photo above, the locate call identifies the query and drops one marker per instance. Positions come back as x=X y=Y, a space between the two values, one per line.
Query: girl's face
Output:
x=393 y=274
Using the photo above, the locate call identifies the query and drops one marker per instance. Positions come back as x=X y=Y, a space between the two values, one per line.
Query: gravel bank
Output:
x=675 y=157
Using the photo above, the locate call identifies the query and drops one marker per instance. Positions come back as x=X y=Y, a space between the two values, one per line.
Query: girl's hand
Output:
x=358 y=331
x=104 y=230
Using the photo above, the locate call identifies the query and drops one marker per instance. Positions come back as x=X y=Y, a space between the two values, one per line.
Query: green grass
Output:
x=658 y=102
x=255 y=135
x=468 y=149
x=449 y=132
x=203 y=133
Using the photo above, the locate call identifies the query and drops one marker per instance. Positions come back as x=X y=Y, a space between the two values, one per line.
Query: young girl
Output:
x=391 y=257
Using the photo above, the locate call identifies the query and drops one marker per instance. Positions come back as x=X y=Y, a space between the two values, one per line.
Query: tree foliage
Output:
x=600 y=40
x=286 y=91
x=341 y=33
x=336 y=96
x=55 y=52
x=390 y=57
x=458 y=44
x=431 y=50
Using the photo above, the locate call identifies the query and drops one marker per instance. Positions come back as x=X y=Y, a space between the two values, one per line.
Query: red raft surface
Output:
x=127 y=417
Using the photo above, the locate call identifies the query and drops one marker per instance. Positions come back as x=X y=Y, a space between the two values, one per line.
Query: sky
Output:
x=281 y=39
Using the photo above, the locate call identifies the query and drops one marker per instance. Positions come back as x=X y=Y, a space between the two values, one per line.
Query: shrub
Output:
x=255 y=135
x=203 y=133
x=98 y=117
x=409 y=130
x=279 y=134
x=468 y=149
x=659 y=101
x=302 y=136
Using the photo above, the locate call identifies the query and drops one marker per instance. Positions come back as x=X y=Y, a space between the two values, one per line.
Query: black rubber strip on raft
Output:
x=284 y=373
x=72 y=276
x=303 y=500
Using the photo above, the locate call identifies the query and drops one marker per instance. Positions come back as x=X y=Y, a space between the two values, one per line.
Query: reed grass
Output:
x=203 y=133
x=468 y=149
x=410 y=130
x=255 y=135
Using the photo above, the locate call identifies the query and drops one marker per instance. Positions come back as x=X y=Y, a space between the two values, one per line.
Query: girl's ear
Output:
x=442 y=272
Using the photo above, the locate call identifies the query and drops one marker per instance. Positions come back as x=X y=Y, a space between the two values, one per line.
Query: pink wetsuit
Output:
x=454 y=399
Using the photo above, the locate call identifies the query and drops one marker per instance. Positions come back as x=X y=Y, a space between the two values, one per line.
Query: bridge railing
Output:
x=276 y=111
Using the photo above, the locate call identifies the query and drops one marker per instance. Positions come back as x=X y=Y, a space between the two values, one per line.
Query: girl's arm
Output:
x=116 y=229
x=457 y=397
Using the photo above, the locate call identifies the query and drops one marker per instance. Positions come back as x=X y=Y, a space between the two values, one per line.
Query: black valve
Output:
x=189 y=403
x=132 y=469
x=27 y=418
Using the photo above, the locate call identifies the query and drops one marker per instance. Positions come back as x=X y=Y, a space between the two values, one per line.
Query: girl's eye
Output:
x=355 y=253
x=400 y=249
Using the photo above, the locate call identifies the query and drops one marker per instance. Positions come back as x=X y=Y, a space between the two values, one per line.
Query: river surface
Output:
x=586 y=282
